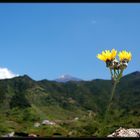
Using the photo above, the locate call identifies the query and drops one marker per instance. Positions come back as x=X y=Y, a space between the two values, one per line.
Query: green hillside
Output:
x=24 y=101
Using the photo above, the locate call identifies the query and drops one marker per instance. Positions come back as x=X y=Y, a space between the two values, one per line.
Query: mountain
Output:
x=24 y=101
x=66 y=78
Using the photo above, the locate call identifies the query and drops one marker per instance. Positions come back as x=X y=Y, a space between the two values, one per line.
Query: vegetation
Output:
x=78 y=108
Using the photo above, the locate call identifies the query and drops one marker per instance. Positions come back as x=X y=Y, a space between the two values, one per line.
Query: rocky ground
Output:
x=122 y=132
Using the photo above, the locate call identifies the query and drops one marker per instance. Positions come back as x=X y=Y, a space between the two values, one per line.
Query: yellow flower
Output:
x=124 y=55
x=107 y=55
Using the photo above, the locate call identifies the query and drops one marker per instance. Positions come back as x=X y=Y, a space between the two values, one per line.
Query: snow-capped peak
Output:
x=66 y=78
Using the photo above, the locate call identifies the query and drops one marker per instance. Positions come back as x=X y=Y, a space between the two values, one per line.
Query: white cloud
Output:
x=6 y=74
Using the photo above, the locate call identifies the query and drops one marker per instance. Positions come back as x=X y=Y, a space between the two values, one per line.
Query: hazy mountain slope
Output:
x=25 y=100
x=23 y=91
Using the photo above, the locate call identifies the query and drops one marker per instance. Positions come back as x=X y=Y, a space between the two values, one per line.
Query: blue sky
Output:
x=47 y=40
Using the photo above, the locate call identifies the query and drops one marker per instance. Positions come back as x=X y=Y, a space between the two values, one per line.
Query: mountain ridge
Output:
x=70 y=78
x=24 y=83
x=24 y=101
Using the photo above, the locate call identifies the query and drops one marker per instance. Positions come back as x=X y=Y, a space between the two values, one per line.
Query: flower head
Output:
x=125 y=56
x=116 y=67
x=107 y=55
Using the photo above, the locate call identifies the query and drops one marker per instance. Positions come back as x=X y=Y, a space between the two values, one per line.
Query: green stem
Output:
x=111 y=97
x=111 y=73
x=115 y=74
x=113 y=91
x=103 y=127
x=119 y=75
x=118 y=72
